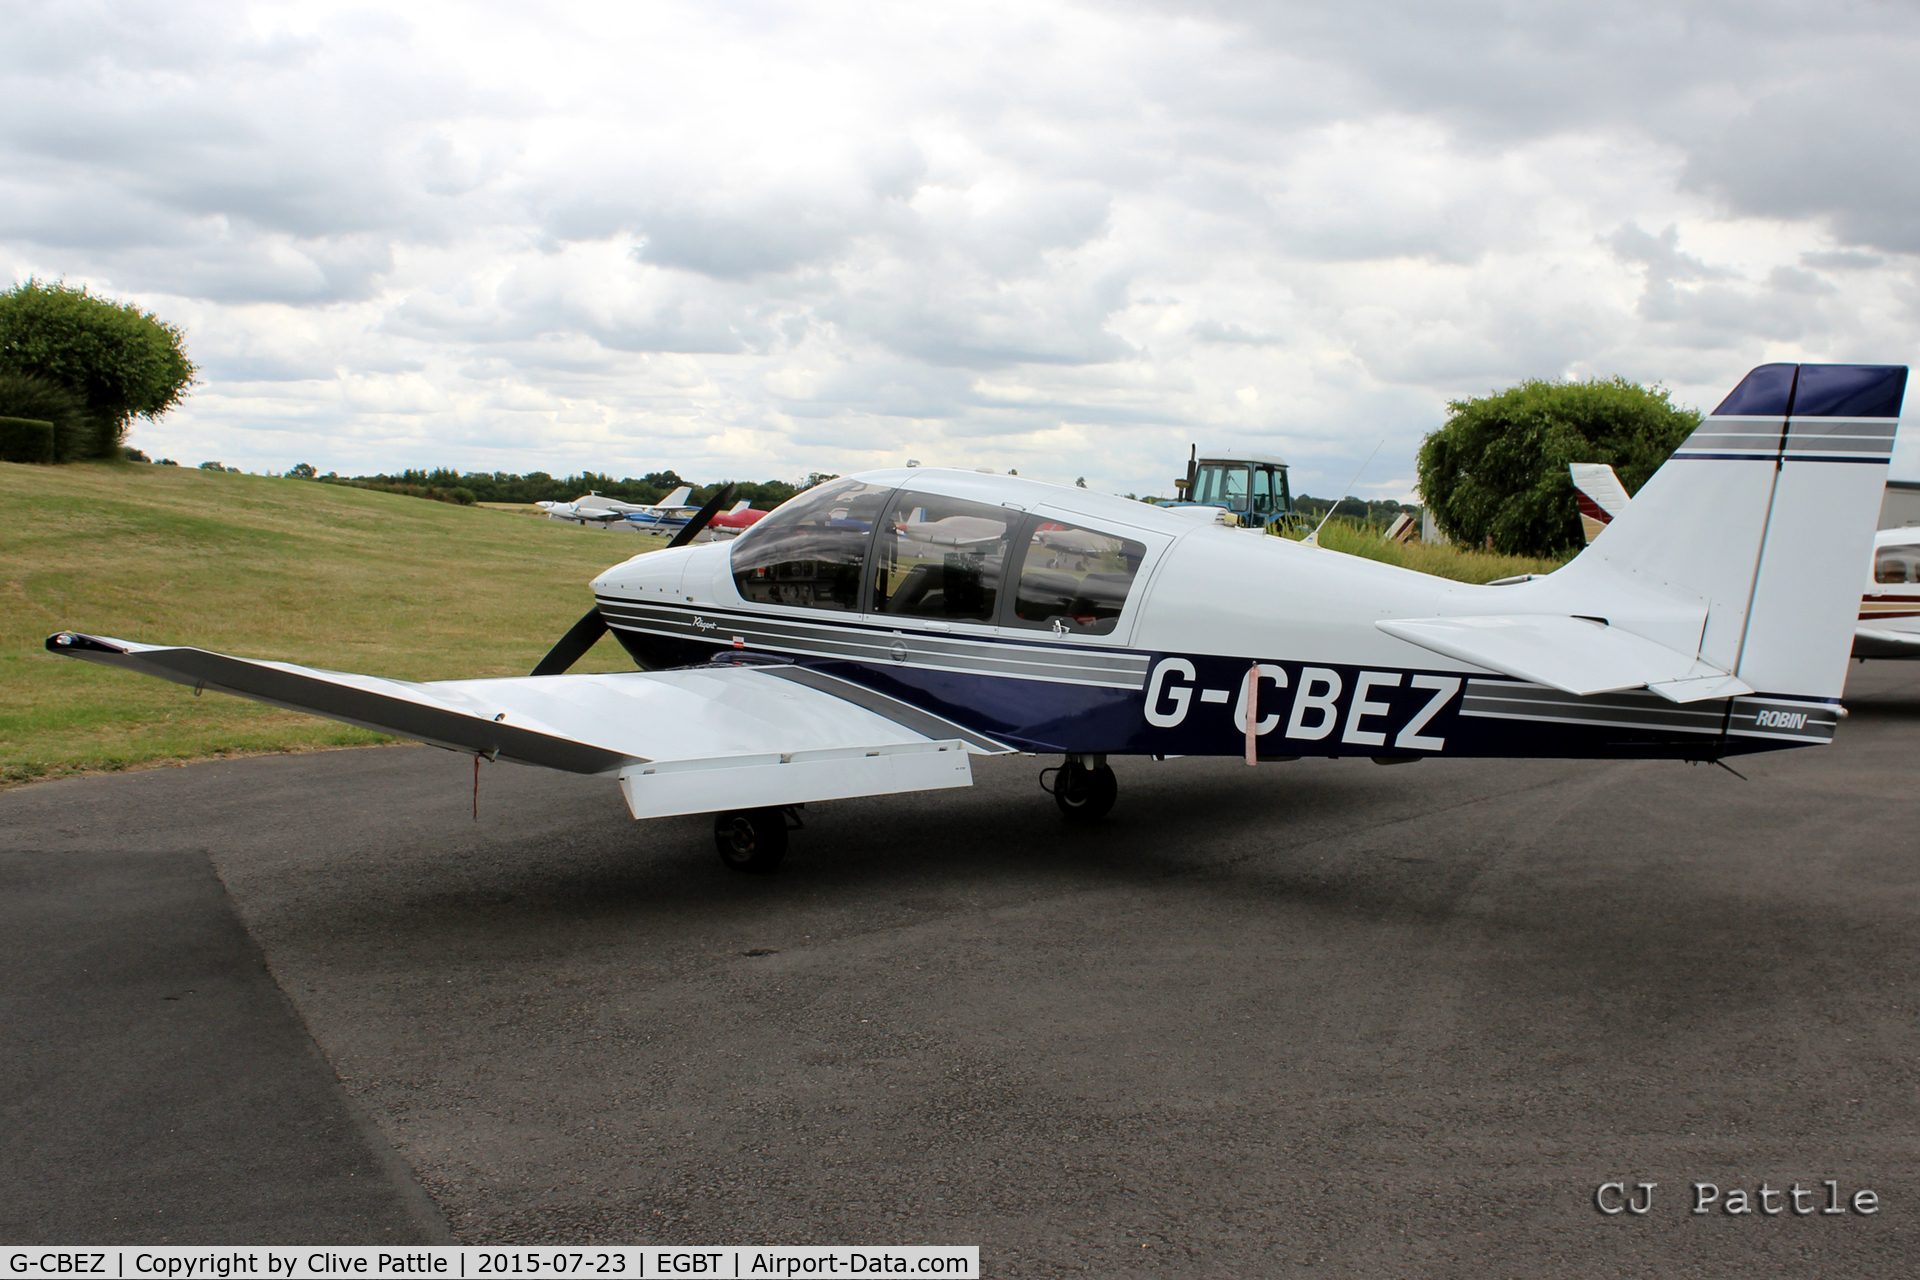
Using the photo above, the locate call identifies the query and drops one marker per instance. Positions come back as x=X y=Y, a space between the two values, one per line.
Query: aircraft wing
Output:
x=1574 y=655
x=697 y=740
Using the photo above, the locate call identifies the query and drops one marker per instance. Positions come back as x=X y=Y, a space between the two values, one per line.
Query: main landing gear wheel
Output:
x=751 y=839
x=1084 y=794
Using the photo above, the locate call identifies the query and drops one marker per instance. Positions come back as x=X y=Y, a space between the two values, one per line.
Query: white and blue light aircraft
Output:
x=596 y=508
x=876 y=632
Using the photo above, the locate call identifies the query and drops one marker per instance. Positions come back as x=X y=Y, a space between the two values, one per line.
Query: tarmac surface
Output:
x=1313 y=1019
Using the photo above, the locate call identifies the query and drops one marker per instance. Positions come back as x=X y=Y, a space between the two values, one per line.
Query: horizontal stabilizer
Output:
x=1580 y=656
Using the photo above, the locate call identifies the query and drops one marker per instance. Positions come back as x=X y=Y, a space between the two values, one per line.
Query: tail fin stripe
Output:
x=1776 y=457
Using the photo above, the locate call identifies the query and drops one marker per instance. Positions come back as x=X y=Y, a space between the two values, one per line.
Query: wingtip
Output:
x=72 y=642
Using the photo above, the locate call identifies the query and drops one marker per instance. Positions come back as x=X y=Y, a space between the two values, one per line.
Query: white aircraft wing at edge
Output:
x=686 y=741
x=1873 y=642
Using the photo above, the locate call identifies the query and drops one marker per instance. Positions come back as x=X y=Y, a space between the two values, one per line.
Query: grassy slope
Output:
x=323 y=575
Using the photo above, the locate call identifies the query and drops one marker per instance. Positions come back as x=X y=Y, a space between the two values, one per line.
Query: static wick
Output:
x=1253 y=713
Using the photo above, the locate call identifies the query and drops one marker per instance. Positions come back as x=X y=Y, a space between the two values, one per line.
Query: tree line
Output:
x=1379 y=511
x=468 y=487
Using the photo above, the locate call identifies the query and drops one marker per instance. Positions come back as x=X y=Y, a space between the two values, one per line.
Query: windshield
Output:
x=810 y=552
x=1221 y=484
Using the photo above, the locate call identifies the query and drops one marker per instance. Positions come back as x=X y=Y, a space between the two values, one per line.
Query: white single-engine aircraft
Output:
x=876 y=631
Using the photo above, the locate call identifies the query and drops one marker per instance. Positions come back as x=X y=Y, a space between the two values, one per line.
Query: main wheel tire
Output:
x=751 y=839
x=1083 y=794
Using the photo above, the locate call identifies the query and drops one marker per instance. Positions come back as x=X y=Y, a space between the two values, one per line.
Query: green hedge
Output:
x=25 y=440
x=76 y=438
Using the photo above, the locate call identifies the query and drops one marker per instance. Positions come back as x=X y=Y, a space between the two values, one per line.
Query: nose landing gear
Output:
x=1083 y=787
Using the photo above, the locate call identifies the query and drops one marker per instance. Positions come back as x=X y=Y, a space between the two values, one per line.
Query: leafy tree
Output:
x=301 y=471
x=121 y=361
x=75 y=434
x=1498 y=468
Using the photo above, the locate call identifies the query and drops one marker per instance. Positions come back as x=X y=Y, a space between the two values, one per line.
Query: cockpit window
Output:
x=1897 y=564
x=811 y=551
x=941 y=558
x=1075 y=580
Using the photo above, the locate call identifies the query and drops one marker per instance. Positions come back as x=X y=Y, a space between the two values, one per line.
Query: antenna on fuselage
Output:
x=1313 y=539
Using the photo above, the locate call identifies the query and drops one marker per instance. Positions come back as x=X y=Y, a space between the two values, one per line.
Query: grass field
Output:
x=323 y=575
x=1440 y=559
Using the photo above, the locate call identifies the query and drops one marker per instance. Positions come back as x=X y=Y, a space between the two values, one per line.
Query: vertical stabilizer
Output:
x=1760 y=523
x=1600 y=494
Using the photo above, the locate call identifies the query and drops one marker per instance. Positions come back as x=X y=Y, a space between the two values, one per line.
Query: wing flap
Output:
x=670 y=787
x=1580 y=656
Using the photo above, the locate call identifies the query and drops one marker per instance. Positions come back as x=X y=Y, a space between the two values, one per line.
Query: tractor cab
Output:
x=1252 y=487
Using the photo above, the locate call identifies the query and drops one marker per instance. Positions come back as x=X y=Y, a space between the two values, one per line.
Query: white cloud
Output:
x=760 y=239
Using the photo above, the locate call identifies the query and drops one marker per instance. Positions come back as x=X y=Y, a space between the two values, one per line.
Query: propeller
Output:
x=573 y=646
x=701 y=518
x=583 y=635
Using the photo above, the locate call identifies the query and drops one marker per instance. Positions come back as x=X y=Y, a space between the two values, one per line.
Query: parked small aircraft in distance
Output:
x=1889 y=625
x=669 y=515
x=876 y=631
x=731 y=524
x=593 y=508
x=1889 y=621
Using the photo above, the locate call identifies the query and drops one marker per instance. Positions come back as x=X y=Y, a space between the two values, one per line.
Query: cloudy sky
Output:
x=755 y=240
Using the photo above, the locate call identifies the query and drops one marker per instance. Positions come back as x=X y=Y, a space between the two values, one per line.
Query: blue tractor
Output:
x=1250 y=486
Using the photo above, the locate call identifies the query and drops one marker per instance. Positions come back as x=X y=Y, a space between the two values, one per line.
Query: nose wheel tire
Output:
x=1083 y=794
x=751 y=839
